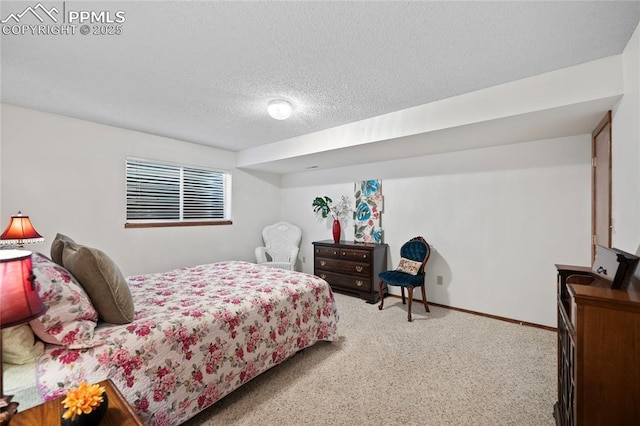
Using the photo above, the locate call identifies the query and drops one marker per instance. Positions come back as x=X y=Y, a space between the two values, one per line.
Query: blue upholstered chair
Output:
x=410 y=272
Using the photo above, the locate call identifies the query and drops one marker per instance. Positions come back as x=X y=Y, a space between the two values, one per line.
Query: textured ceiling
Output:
x=204 y=71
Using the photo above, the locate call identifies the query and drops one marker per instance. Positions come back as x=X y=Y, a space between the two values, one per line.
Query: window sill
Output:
x=170 y=224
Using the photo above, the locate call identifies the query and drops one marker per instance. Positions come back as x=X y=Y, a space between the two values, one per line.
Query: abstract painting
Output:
x=369 y=205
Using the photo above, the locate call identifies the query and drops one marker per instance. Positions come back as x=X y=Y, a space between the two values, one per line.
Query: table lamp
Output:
x=20 y=231
x=19 y=303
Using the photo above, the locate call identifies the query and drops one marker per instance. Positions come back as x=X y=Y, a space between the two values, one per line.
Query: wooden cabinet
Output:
x=351 y=267
x=598 y=352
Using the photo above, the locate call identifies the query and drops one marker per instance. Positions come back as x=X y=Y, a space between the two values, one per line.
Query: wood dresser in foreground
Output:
x=351 y=267
x=598 y=351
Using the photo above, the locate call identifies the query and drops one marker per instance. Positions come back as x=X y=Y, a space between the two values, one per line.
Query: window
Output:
x=162 y=194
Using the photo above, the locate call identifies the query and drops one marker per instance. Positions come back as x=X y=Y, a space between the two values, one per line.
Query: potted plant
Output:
x=84 y=405
x=325 y=207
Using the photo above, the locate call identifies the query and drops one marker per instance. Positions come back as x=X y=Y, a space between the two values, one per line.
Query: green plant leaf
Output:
x=321 y=205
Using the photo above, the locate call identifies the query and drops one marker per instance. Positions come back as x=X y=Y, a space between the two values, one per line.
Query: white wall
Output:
x=498 y=220
x=626 y=153
x=68 y=175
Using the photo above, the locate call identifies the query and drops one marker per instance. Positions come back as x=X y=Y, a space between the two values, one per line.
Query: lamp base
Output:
x=7 y=409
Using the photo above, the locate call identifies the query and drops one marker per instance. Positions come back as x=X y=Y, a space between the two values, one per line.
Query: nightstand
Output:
x=119 y=412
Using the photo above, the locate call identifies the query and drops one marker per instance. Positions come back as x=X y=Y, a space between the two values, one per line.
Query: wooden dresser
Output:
x=351 y=267
x=598 y=351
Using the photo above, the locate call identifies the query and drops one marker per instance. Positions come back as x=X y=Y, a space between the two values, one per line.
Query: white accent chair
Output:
x=281 y=242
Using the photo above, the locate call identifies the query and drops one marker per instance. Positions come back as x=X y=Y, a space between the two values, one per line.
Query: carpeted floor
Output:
x=444 y=368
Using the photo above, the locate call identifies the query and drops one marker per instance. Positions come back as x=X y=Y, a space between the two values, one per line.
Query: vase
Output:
x=336 y=231
x=91 y=419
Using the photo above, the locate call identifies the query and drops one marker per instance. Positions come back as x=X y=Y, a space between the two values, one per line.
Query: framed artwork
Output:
x=369 y=206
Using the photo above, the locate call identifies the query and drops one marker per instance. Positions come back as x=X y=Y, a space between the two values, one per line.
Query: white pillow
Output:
x=409 y=266
x=71 y=319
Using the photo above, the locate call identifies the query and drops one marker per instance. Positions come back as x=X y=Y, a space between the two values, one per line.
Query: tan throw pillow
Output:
x=19 y=345
x=102 y=280
x=409 y=266
x=57 y=246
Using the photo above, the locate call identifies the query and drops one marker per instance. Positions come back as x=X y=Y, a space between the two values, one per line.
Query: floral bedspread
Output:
x=198 y=334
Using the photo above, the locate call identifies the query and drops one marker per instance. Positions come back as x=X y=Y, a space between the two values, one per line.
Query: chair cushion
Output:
x=401 y=279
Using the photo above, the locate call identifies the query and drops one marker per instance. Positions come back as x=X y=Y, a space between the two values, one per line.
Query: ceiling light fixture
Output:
x=279 y=109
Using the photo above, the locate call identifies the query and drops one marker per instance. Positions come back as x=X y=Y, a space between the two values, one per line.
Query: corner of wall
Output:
x=626 y=153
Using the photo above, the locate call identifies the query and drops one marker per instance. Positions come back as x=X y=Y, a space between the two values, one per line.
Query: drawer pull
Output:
x=344 y=253
x=359 y=268
x=323 y=276
x=364 y=256
x=323 y=263
x=359 y=283
x=335 y=252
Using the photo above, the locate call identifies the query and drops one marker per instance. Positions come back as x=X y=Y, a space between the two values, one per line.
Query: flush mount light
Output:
x=279 y=109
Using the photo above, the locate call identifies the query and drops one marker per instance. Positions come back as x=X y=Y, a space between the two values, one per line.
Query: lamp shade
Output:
x=20 y=231
x=19 y=300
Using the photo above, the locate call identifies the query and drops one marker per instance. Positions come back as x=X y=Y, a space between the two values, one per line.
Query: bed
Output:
x=198 y=333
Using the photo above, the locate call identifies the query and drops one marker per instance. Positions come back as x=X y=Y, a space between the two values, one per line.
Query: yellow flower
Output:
x=82 y=399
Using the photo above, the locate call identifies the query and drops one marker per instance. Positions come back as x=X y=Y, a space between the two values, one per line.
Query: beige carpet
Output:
x=444 y=368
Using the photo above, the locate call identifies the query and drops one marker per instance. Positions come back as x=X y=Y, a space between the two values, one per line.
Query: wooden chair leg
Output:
x=424 y=299
x=404 y=302
x=381 y=295
x=410 y=291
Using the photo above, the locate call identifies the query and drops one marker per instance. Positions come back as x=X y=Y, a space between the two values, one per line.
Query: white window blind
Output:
x=158 y=192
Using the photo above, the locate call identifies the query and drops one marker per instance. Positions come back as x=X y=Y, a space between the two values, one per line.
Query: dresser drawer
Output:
x=357 y=255
x=361 y=284
x=331 y=252
x=352 y=268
